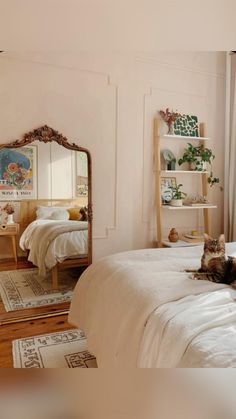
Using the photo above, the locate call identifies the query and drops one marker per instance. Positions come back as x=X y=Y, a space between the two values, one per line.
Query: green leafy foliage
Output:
x=192 y=154
x=177 y=193
x=198 y=155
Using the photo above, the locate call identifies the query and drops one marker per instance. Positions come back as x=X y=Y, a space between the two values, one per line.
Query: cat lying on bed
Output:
x=215 y=265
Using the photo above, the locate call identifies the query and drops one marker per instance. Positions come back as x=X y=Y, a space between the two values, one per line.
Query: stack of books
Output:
x=189 y=238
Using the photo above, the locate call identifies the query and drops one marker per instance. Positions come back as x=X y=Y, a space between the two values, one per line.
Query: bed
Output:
x=141 y=309
x=52 y=242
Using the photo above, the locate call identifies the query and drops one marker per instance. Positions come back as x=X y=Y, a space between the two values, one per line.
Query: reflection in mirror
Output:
x=44 y=227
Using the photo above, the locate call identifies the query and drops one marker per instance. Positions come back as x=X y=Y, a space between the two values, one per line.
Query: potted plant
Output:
x=177 y=196
x=198 y=158
x=169 y=117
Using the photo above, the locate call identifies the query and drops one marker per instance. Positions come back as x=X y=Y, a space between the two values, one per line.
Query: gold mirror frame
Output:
x=47 y=134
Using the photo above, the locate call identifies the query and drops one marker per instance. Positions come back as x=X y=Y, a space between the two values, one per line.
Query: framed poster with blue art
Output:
x=186 y=125
x=18 y=173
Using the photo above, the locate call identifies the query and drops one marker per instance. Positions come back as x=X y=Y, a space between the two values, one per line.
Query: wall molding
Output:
x=108 y=82
x=154 y=61
x=106 y=76
x=114 y=225
x=145 y=96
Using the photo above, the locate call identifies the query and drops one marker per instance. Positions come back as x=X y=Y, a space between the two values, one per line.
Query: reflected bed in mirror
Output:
x=45 y=221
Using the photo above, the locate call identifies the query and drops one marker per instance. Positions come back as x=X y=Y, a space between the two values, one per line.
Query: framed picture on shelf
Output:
x=167 y=183
x=186 y=125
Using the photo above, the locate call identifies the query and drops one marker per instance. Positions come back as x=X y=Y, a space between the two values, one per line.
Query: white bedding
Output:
x=67 y=245
x=140 y=309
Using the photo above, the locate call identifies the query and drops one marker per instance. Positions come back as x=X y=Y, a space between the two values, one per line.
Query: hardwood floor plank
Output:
x=10 y=265
x=26 y=329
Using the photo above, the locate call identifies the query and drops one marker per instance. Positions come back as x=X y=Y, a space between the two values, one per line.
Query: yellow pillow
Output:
x=74 y=213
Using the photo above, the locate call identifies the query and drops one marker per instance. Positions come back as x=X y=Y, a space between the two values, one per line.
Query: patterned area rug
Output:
x=23 y=288
x=53 y=350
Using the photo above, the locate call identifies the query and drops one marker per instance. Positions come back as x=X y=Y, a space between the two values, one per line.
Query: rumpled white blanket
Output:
x=140 y=309
x=52 y=241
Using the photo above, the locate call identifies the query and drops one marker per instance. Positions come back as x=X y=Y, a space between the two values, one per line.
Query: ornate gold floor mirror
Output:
x=46 y=243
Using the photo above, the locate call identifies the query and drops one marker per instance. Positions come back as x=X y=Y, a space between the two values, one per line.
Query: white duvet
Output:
x=67 y=245
x=140 y=309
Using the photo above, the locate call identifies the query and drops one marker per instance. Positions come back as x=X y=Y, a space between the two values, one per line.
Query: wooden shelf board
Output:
x=183 y=137
x=187 y=207
x=185 y=171
x=180 y=243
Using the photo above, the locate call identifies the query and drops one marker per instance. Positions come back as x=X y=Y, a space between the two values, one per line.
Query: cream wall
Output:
x=107 y=103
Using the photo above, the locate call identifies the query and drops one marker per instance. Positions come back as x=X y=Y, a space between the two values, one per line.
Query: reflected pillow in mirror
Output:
x=59 y=215
x=44 y=213
x=74 y=213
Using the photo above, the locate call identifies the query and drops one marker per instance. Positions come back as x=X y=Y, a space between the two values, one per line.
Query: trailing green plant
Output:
x=212 y=180
x=191 y=155
x=177 y=193
x=198 y=155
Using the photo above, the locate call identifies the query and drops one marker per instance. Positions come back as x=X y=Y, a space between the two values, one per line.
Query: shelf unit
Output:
x=186 y=137
x=188 y=207
x=189 y=172
x=202 y=139
x=179 y=243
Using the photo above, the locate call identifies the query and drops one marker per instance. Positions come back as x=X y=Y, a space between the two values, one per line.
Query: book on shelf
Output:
x=194 y=236
x=193 y=240
x=199 y=204
x=180 y=243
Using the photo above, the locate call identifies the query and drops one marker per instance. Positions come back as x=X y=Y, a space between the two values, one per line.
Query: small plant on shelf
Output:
x=169 y=117
x=198 y=157
x=177 y=196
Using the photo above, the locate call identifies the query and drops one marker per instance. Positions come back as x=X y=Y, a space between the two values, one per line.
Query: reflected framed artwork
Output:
x=81 y=175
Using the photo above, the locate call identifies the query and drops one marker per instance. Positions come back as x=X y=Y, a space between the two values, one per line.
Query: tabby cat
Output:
x=215 y=265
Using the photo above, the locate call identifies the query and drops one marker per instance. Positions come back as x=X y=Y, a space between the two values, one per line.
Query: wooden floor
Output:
x=26 y=329
x=9 y=332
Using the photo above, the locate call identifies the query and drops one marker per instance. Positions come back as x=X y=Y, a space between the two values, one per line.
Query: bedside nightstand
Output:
x=10 y=230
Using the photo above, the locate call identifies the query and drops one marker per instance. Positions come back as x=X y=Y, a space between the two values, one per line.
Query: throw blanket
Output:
x=38 y=237
x=141 y=309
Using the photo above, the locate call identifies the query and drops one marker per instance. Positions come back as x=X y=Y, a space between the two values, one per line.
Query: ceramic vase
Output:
x=202 y=166
x=10 y=219
x=170 y=129
x=173 y=235
x=176 y=202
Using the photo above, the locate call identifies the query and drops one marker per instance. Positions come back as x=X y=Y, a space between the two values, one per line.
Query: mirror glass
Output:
x=44 y=240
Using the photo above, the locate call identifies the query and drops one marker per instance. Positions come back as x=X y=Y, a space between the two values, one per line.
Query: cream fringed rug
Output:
x=53 y=350
x=23 y=288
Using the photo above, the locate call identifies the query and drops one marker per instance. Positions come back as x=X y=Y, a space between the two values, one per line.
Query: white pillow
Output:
x=59 y=215
x=44 y=213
